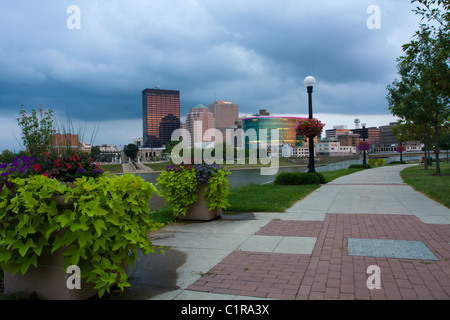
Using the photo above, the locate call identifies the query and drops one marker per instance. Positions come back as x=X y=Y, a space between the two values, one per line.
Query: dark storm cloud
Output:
x=255 y=53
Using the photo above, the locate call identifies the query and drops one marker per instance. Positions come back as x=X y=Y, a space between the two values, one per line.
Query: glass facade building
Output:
x=161 y=116
x=285 y=125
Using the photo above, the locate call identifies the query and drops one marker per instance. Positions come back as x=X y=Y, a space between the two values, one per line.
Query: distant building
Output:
x=332 y=134
x=301 y=152
x=161 y=116
x=332 y=148
x=349 y=139
x=198 y=121
x=285 y=125
x=225 y=114
x=387 y=137
x=372 y=135
x=63 y=142
x=138 y=141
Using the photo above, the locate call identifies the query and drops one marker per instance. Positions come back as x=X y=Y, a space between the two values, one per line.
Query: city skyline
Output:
x=91 y=64
x=135 y=127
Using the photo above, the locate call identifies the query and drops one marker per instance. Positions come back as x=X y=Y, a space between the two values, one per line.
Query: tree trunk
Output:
x=436 y=150
x=426 y=157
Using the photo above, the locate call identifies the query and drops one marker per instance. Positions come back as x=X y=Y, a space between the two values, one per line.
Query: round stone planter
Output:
x=199 y=210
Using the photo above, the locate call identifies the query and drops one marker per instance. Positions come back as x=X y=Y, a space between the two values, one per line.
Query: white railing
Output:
x=348 y=163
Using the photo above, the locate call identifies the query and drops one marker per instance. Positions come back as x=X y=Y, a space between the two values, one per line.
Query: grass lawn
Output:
x=112 y=168
x=274 y=198
x=282 y=162
x=266 y=197
x=424 y=181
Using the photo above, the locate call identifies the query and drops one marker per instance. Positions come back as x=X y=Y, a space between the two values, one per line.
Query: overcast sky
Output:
x=255 y=53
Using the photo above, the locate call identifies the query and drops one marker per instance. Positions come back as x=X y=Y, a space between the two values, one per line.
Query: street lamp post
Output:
x=309 y=84
x=364 y=139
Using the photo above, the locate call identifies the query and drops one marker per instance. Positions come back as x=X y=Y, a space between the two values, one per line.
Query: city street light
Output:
x=309 y=84
x=364 y=139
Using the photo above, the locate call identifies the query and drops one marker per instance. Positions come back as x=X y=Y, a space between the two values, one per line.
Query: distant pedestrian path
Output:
x=135 y=168
x=378 y=190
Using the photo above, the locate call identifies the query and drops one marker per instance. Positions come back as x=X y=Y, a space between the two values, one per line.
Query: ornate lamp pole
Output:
x=309 y=84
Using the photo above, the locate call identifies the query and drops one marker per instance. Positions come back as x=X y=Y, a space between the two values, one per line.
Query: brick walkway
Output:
x=329 y=272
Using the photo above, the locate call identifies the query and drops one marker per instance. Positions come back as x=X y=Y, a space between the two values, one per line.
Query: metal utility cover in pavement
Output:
x=389 y=249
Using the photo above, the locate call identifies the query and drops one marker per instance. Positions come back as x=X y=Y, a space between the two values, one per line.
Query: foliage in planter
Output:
x=106 y=226
x=179 y=186
x=298 y=178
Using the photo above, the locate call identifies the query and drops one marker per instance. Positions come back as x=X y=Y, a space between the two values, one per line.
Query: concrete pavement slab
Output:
x=226 y=258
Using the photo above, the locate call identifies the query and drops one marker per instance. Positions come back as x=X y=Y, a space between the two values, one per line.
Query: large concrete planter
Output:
x=199 y=210
x=49 y=280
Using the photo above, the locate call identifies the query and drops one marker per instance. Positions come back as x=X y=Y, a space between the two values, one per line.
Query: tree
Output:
x=95 y=153
x=131 y=150
x=7 y=156
x=421 y=96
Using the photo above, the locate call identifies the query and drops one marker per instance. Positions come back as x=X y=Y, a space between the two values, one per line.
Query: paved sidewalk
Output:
x=318 y=249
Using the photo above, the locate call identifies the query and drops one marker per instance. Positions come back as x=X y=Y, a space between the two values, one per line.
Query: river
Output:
x=240 y=177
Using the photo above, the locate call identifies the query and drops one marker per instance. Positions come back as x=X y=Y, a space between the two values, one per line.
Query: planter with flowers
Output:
x=309 y=128
x=58 y=211
x=195 y=191
x=71 y=214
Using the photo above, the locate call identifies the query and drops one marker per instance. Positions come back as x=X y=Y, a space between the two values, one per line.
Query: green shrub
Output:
x=360 y=166
x=296 y=178
x=398 y=162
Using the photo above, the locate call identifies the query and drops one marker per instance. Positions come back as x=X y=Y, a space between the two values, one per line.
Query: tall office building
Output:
x=161 y=116
x=198 y=121
x=225 y=113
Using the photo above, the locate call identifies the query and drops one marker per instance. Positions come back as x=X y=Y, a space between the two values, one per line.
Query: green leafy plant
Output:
x=381 y=162
x=100 y=232
x=362 y=166
x=297 y=178
x=37 y=130
x=179 y=185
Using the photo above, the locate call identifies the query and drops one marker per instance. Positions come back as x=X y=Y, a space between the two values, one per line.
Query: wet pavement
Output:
x=320 y=248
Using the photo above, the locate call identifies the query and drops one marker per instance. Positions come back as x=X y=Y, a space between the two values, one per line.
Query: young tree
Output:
x=131 y=150
x=421 y=96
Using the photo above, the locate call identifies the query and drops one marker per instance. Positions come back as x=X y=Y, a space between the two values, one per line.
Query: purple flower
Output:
x=81 y=170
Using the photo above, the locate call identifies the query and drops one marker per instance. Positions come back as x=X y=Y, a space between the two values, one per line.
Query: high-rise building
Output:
x=372 y=134
x=161 y=116
x=332 y=134
x=387 y=137
x=198 y=121
x=285 y=126
x=225 y=113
